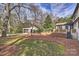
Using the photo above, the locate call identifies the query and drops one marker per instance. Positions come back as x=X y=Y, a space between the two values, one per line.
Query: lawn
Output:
x=9 y=40
x=35 y=47
x=39 y=48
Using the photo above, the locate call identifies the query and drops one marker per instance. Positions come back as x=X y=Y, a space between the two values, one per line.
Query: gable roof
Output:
x=76 y=8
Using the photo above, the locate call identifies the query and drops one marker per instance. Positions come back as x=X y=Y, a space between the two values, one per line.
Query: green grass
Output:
x=39 y=48
x=9 y=40
x=35 y=47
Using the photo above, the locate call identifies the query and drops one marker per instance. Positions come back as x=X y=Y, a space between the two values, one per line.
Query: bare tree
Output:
x=7 y=12
x=35 y=15
x=10 y=7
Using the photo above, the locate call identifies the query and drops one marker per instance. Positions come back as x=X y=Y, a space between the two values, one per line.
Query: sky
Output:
x=59 y=9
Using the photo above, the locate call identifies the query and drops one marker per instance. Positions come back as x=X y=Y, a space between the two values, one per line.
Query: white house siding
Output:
x=28 y=30
x=76 y=25
x=56 y=27
x=76 y=34
x=77 y=13
x=63 y=27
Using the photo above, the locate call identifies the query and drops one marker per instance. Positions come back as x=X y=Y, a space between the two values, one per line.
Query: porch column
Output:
x=78 y=30
x=69 y=36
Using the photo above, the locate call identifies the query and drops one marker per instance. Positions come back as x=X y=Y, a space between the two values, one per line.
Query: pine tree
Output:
x=48 y=25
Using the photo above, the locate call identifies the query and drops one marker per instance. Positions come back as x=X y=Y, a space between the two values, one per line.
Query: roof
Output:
x=77 y=6
x=30 y=28
x=64 y=23
x=75 y=20
x=75 y=10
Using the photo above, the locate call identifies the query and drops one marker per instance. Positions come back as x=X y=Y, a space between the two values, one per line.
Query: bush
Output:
x=40 y=30
x=73 y=30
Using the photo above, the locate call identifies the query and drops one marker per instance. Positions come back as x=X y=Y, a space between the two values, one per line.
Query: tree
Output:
x=12 y=14
x=35 y=11
x=48 y=25
x=6 y=18
x=68 y=19
x=7 y=13
x=0 y=24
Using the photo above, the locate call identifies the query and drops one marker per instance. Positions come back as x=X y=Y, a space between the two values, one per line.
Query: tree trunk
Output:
x=5 y=26
x=6 y=18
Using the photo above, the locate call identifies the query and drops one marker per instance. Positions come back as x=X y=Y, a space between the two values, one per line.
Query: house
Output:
x=62 y=27
x=75 y=23
x=29 y=29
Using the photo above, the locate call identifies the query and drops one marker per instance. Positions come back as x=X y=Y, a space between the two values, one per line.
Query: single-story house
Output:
x=62 y=27
x=29 y=29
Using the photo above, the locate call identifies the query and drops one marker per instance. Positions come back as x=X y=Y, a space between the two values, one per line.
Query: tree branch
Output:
x=19 y=6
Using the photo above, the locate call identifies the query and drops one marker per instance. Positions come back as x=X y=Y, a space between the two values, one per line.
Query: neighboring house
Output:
x=61 y=27
x=75 y=22
x=29 y=30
